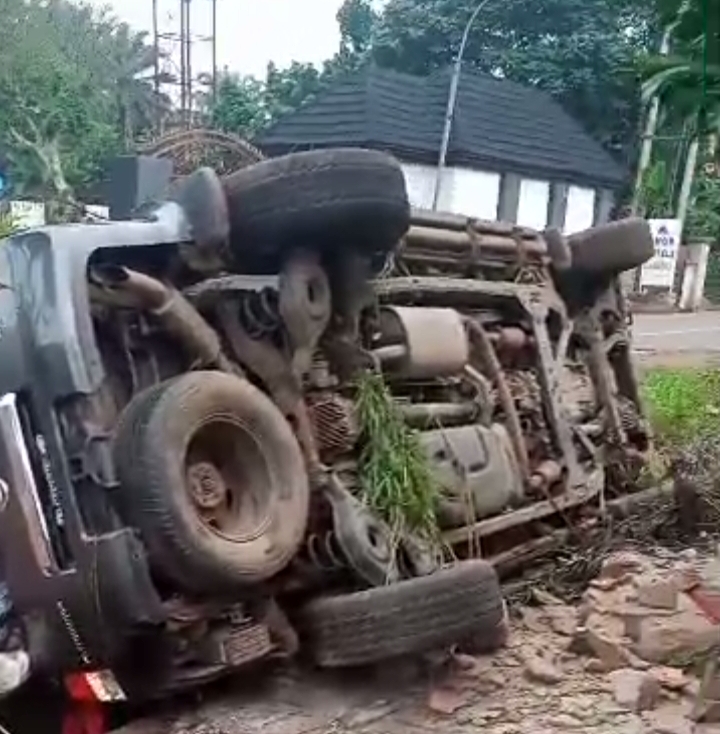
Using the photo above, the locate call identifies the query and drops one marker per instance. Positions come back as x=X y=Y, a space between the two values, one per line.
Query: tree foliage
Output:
x=583 y=52
x=687 y=81
x=246 y=105
x=73 y=90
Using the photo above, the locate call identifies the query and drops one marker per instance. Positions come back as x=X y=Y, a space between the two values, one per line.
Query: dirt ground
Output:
x=492 y=697
x=498 y=694
x=652 y=358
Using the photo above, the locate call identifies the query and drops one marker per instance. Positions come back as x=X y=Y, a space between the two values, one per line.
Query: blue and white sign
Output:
x=659 y=270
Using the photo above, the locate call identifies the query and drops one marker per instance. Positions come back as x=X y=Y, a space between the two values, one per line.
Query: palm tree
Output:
x=132 y=68
x=687 y=82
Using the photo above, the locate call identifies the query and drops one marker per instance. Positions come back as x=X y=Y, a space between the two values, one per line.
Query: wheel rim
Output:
x=227 y=480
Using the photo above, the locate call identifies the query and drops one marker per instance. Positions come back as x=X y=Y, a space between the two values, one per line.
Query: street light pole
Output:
x=451 y=103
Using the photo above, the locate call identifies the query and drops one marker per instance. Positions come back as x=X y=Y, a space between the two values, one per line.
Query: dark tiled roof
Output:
x=499 y=125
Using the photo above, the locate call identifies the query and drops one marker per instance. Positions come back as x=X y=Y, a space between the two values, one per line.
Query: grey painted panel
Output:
x=604 y=203
x=557 y=206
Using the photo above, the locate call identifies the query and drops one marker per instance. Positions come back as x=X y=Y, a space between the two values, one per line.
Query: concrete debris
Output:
x=563 y=619
x=645 y=615
x=670 y=722
x=535 y=619
x=618 y=565
x=540 y=668
x=555 y=616
x=710 y=712
x=634 y=690
x=673 y=679
x=657 y=592
x=445 y=700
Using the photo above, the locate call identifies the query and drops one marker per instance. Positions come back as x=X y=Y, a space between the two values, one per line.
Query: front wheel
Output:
x=213 y=478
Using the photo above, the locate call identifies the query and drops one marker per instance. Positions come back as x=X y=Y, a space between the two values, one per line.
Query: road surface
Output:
x=678 y=338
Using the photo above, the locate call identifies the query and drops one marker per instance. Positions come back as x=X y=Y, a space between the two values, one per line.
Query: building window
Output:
x=533 y=203
x=580 y=212
x=462 y=190
x=420 y=184
x=468 y=192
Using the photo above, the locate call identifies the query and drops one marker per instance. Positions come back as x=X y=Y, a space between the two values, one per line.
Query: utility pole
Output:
x=452 y=102
x=188 y=64
x=183 y=68
x=214 y=51
x=169 y=41
x=156 y=65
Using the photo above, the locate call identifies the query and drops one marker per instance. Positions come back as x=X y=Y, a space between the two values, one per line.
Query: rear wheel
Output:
x=612 y=248
x=330 y=199
x=451 y=606
x=214 y=480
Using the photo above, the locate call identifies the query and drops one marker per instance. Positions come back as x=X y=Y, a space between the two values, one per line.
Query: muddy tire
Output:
x=213 y=478
x=451 y=606
x=332 y=199
x=612 y=248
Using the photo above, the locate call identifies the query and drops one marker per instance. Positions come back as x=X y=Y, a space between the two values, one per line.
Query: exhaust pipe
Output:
x=177 y=315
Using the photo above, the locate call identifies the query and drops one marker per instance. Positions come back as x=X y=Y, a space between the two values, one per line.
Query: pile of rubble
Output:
x=651 y=626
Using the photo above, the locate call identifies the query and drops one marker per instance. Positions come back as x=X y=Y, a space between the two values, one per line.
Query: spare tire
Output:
x=330 y=199
x=612 y=248
x=213 y=478
x=451 y=606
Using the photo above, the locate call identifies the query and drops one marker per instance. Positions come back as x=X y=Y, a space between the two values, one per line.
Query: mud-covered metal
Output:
x=433 y=341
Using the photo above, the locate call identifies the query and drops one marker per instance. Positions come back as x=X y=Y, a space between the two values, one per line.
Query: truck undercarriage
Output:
x=179 y=432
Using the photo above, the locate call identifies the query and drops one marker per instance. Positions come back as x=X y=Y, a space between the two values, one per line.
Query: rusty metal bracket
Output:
x=365 y=540
x=94 y=461
x=522 y=254
x=305 y=306
x=539 y=308
x=275 y=370
x=600 y=369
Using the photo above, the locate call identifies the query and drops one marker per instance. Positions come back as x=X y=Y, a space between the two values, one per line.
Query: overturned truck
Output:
x=179 y=434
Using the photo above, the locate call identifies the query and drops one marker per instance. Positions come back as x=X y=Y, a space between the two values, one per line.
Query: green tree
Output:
x=131 y=69
x=73 y=91
x=240 y=105
x=583 y=52
x=286 y=89
x=246 y=105
x=688 y=80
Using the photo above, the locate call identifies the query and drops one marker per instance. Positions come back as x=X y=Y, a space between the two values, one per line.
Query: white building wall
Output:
x=476 y=193
x=462 y=190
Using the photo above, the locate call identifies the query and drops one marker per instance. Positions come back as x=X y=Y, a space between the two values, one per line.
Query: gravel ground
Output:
x=499 y=694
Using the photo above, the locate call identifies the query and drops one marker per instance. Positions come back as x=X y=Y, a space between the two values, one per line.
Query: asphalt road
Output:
x=678 y=338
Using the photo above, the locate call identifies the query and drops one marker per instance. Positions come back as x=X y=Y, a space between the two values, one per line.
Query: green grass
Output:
x=394 y=472
x=7 y=226
x=683 y=404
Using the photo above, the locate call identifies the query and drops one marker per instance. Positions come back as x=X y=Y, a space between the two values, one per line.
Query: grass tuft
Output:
x=395 y=477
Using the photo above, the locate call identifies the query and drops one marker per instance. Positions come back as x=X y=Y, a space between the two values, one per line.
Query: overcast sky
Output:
x=250 y=32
